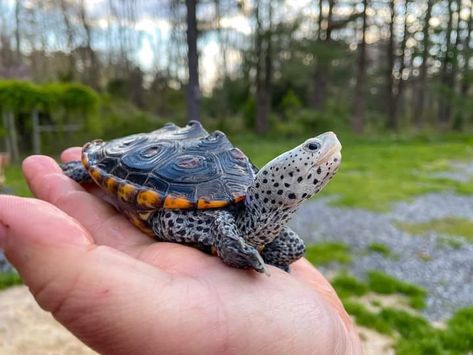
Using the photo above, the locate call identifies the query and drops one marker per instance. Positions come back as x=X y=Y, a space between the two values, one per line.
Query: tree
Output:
x=422 y=80
x=264 y=66
x=193 y=87
x=402 y=66
x=321 y=72
x=359 y=97
x=17 y=30
x=465 y=83
x=390 y=95
x=446 y=73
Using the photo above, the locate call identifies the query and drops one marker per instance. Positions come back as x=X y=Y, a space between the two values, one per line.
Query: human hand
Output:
x=120 y=292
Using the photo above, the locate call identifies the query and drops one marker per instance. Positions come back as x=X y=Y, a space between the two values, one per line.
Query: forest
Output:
x=272 y=67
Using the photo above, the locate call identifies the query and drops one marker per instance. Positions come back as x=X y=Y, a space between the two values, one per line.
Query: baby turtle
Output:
x=187 y=186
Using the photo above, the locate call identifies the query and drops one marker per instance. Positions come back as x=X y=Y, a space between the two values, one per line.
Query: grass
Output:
x=379 y=248
x=377 y=172
x=414 y=334
x=384 y=284
x=452 y=226
x=8 y=279
x=328 y=252
x=15 y=180
x=347 y=285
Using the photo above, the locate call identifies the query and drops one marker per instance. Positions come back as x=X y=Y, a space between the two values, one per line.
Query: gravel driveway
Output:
x=445 y=270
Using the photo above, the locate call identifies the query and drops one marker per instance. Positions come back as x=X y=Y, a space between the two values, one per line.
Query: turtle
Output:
x=189 y=186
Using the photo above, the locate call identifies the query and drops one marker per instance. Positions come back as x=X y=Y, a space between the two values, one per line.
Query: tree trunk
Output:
x=359 y=97
x=390 y=95
x=321 y=75
x=36 y=132
x=193 y=87
x=12 y=136
x=263 y=51
x=70 y=40
x=421 y=87
x=17 y=31
x=320 y=19
x=467 y=55
x=93 y=76
x=444 y=107
x=221 y=39
x=402 y=64
x=465 y=83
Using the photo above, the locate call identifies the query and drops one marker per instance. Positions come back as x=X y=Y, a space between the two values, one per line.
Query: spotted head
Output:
x=300 y=173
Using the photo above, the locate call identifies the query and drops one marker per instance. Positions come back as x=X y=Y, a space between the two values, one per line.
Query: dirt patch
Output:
x=26 y=329
x=375 y=343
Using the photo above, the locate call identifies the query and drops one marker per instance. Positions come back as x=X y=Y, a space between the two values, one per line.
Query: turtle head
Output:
x=300 y=173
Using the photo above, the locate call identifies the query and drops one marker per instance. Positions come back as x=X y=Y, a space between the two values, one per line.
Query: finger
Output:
x=306 y=272
x=70 y=154
x=106 y=226
x=97 y=292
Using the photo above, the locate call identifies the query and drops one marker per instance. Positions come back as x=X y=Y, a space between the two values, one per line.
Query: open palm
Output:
x=122 y=293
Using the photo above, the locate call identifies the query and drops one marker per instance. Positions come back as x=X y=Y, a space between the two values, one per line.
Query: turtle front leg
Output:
x=232 y=248
x=286 y=248
x=76 y=171
x=206 y=230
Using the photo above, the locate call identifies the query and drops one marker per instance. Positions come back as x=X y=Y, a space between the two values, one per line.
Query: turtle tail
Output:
x=76 y=171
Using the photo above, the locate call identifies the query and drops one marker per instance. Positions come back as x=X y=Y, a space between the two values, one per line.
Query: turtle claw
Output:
x=254 y=258
x=237 y=253
x=260 y=265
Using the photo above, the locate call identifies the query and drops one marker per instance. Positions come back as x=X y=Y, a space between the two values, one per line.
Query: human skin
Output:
x=120 y=292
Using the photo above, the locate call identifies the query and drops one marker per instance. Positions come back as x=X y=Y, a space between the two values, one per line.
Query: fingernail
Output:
x=3 y=236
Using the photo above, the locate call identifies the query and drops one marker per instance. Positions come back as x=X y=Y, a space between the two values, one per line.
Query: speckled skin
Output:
x=252 y=233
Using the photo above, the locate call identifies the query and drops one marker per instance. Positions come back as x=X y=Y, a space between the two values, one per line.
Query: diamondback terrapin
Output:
x=187 y=186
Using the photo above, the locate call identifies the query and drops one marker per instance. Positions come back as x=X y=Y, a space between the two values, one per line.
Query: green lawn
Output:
x=15 y=180
x=451 y=226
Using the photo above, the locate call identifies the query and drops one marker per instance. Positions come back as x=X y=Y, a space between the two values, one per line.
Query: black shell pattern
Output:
x=187 y=163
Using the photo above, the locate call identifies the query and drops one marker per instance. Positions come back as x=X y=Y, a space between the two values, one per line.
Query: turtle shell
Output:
x=171 y=168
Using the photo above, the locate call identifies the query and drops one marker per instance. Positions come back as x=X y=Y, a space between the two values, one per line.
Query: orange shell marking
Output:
x=111 y=184
x=177 y=202
x=96 y=175
x=204 y=204
x=126 y=192
x=85 y=161
x=148 y=198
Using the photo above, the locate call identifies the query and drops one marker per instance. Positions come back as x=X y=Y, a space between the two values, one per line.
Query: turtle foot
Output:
x=237 y=253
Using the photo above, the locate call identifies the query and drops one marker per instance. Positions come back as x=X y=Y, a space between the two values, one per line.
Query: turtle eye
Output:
x=313 y=146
